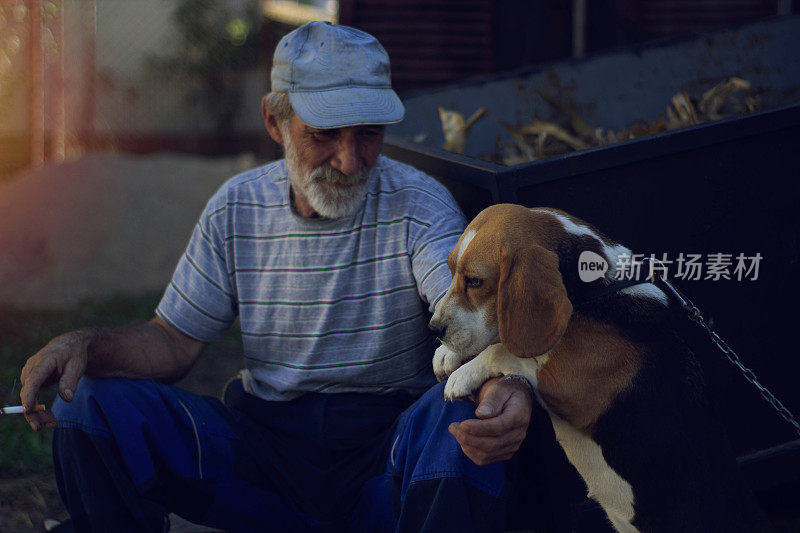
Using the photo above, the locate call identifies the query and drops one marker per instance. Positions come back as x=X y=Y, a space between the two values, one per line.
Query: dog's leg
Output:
x=493 y=361
x=445 y=361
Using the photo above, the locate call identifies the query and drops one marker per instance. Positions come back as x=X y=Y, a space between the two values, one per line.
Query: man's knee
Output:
x=92 y=402
x=432 y=478
x=432 y=405
x=423 y=438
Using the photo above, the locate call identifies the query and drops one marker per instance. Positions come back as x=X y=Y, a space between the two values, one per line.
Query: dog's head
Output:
x=506 y=285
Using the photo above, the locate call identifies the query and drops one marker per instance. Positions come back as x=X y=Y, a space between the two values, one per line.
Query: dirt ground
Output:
x=26 y=500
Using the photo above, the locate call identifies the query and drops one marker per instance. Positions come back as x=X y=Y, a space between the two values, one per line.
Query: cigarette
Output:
x=18 y=409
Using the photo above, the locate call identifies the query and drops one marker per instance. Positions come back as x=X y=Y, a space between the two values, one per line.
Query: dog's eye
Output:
x=473 y=283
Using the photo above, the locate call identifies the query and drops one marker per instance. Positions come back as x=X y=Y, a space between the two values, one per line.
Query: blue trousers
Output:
x=128 y=452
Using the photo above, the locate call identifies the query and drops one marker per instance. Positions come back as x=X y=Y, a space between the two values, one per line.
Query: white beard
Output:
x=329 y=201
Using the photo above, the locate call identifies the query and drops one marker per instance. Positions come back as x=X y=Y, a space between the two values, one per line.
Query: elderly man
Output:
x=333 y=260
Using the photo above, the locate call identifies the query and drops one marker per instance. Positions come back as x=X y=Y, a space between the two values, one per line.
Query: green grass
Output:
x=23 y=333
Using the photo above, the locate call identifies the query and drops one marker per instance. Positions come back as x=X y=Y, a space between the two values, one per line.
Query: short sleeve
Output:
x=431 y=246
x=200 y=300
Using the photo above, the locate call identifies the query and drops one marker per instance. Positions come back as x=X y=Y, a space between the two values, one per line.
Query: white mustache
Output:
x=330 y=174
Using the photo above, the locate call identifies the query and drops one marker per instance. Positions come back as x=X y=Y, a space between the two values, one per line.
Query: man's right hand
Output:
x=62 y=360
x=151 y=350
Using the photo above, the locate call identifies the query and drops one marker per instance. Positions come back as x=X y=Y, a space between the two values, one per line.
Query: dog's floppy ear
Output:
x=532 y=305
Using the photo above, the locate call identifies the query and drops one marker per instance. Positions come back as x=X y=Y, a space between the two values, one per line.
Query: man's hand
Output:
x=62 y=360
x=504 y=410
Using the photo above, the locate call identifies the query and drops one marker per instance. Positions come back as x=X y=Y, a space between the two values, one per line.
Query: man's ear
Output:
x=271 y=122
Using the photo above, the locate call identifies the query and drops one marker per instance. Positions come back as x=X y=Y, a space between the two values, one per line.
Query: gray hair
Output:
x=278 y=104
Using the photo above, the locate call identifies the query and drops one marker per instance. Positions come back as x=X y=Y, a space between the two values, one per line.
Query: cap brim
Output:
x=350 y=106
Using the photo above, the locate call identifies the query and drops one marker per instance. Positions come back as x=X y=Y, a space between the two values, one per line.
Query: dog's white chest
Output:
x=611 y=491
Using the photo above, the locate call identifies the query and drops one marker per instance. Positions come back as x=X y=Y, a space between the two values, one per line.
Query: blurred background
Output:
x=120 y=118
x=186 y=75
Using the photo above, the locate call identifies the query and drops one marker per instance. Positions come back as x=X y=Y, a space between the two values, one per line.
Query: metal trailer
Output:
x=721 y=187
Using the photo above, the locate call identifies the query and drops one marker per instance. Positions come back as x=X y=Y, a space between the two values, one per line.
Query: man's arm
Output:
x=153 y=350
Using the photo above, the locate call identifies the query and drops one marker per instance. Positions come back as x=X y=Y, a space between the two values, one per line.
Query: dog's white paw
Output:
x=445 y=361
x=465 y=380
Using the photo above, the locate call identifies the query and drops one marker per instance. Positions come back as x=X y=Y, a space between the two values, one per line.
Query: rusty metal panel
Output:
x=430 y=43
x=667 y=18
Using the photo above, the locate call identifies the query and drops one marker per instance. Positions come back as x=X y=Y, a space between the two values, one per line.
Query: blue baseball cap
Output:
x=335 y=76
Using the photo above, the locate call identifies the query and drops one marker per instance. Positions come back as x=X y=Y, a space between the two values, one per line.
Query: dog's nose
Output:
x=437 y=328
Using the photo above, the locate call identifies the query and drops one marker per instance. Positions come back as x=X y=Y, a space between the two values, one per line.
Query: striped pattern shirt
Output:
x=324 y=305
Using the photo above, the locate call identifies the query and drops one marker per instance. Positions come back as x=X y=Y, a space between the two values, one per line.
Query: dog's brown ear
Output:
x=532 y=305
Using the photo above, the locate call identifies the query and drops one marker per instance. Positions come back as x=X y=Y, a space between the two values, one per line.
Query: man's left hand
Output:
x=504 y=410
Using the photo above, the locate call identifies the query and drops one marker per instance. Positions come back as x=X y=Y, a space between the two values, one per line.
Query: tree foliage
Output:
x=217 y=44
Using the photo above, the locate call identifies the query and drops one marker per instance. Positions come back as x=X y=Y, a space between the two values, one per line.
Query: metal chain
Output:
x=694 y=314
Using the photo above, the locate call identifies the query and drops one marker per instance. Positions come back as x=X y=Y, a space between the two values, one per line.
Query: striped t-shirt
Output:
x=324 y=305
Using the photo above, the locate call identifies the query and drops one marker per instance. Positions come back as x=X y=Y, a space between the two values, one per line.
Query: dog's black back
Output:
x=662 y=436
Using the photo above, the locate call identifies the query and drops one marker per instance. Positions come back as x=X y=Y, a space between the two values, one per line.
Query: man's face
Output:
x=329 y=168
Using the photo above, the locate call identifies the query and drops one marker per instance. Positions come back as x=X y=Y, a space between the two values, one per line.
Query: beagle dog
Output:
x=624 y=394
